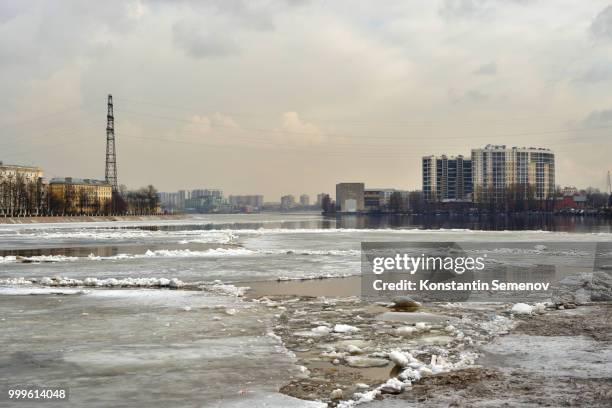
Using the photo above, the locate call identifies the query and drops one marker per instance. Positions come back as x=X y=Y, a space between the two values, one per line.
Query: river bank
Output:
x=355 y=352
x=88 y=218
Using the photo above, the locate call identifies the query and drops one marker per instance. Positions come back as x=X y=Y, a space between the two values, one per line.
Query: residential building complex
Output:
x=254 y=201
x=447 y=178
x=497 y=170
x=206 y=200
x=28 y=174
x=22 y=189
x=206 y=193
x=83 y=196
x=492 y=173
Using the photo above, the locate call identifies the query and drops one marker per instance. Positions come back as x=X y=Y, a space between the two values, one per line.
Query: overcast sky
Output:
x=285 y=97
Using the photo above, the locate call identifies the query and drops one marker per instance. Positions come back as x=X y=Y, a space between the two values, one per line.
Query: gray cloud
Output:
x=469 y=9
x=9 y=10
x=599 y=118
x=600 y=71
x=471 y=96
x=200 y=42
x=486 y=69
x=451 y=9
x=601 y=26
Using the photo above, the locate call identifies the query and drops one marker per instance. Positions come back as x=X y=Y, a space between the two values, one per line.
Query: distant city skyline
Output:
x=274 y=106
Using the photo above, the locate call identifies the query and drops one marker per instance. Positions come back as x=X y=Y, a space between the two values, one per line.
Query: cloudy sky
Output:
x=292 y=96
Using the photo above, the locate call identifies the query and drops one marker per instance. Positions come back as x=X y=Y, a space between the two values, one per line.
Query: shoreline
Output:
x=348 y=349
x=88 y=218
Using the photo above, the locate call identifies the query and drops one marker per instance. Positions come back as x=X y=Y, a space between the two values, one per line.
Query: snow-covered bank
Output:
x=87 y=218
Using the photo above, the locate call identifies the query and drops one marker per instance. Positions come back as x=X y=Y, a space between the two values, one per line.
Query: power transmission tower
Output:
x=609 y=191
x=111 y=156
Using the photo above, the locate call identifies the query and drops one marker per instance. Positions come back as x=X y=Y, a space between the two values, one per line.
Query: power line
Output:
x=37 y=118
x=353 y=137
x=377 y=123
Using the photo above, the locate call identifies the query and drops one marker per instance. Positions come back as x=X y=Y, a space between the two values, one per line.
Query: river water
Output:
x=151 y=346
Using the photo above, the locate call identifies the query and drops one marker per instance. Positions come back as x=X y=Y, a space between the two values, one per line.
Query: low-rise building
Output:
x=378 y=199
x=350 y=197
x=79 y=196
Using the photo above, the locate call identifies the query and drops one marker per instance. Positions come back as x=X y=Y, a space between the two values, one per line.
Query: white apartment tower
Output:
x=497 y=169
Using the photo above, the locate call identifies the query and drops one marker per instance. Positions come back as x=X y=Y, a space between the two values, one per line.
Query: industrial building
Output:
x=350 y=197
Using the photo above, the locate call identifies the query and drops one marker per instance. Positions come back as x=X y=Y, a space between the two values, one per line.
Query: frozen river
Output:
x=150 y=346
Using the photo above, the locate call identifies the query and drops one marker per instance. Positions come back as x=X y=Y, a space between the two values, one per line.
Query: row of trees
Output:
x=143 y=201
x=20 y=198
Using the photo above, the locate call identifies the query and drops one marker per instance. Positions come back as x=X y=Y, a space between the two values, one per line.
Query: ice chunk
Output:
x=352 y=349
x=399 y=358
x=322 y=330
x=406 y=331
x=392 y=386
x=336 y=394
x=364 y=362
x=345 y=328
x=521 y=308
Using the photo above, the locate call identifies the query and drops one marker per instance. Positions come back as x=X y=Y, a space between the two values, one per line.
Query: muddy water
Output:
x=340 y=287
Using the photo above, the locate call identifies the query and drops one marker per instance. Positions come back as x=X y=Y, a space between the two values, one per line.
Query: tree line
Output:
x=20 y=197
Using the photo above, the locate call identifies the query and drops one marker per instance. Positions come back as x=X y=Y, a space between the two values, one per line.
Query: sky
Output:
x=293 y=96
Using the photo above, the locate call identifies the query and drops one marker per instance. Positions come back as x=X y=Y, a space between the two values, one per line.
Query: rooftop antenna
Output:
x=110 y=174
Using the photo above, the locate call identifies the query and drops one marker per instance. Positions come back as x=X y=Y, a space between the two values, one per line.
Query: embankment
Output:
x=87 y=218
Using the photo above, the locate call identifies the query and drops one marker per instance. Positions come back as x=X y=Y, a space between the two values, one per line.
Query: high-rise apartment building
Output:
x=447 y=178
x=320 y=198
x=246 y=201
x=197 y=193
x=497 y=169
x=287 y=202
x=304 y=200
